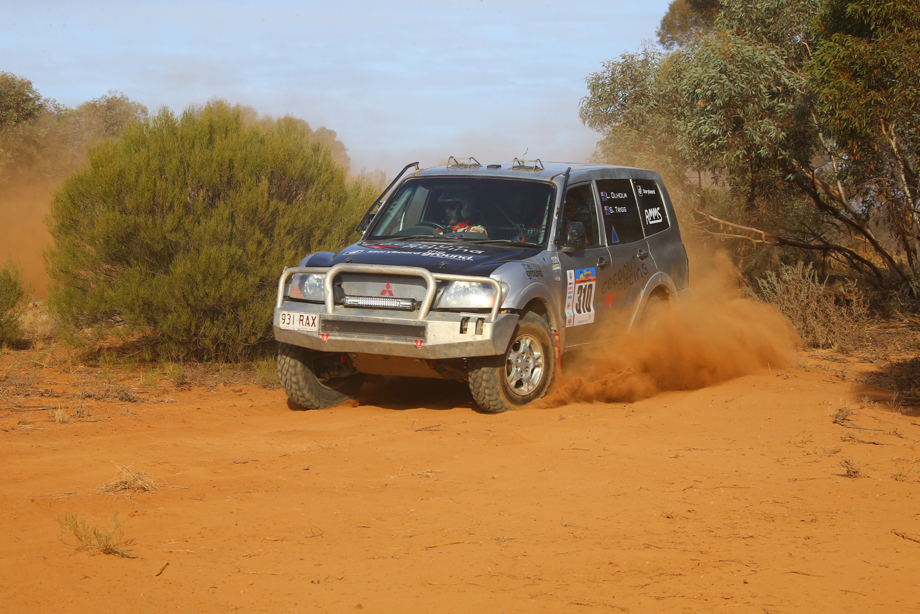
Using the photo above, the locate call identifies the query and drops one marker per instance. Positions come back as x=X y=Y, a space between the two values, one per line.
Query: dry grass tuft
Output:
x=38 y=327
x=825 y=317
x=59 y=416
x=843 y=415
x=851 y=468
x=128 y=483
x=98 y=539
x=266 y=373
x=110 y=392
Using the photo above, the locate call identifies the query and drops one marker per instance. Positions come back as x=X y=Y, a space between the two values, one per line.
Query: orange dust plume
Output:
x=715 y=335
x=23 y=234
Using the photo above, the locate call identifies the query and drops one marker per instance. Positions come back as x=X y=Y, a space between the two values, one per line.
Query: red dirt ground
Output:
x=730 y=498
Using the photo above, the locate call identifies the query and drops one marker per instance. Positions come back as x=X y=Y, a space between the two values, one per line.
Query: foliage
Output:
x=740 y=106
x=20 y=106
x=176 y=232
x=865 y=75
x=823 y=318
x=12 y=293
x=43 y=140
x=685 y=21
x=19 y=101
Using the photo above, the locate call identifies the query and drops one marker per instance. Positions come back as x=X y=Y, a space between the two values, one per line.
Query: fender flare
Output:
x=656 y=281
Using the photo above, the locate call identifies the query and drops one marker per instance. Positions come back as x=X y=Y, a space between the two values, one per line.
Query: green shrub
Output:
x=12 y=293
x=176 y=232
x=824 y=318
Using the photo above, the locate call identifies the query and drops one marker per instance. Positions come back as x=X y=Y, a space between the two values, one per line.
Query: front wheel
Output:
x=313 y=380
x=521 y=375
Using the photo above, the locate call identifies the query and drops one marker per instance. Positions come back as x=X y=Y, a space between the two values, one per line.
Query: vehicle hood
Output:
x=436 y=256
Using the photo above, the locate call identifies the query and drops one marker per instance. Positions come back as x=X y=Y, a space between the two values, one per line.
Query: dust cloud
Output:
x=715 y=335
x=23 y=234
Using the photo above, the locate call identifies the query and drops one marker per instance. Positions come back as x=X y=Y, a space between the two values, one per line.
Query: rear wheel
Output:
x=521 y=375
x=314 y=380
x=655 y=306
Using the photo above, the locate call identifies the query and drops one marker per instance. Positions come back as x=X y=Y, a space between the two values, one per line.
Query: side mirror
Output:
x=574 y=237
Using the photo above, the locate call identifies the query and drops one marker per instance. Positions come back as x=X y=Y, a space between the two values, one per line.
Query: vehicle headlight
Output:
x=307 y=286
x=469 y=295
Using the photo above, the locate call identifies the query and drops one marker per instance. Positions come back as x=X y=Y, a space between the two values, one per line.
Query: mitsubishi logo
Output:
x=386 y=290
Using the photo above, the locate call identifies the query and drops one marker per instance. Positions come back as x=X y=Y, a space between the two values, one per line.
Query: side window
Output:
x=621 y=215
x=580 y=207
x=654 y=215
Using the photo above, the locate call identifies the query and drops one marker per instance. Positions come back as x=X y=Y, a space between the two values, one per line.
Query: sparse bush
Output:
x=176 y=232
x=851 y=468
x=823 y=318
x=12 y=293
x=97 y=539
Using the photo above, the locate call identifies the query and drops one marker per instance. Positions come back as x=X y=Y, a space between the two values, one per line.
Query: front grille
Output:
x=361 y=284
x=376 y=329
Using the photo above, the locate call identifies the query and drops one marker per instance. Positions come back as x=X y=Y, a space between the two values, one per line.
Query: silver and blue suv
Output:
x=545 y=258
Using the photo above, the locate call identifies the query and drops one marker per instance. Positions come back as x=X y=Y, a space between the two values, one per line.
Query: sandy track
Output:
x=730 y=498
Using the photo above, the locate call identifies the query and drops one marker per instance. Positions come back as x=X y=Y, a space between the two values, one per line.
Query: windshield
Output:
x=468 y=208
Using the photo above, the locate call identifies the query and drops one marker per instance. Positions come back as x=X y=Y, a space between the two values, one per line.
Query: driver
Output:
x=458 y=213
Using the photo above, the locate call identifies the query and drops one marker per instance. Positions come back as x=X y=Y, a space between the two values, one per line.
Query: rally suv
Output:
x=547 y=258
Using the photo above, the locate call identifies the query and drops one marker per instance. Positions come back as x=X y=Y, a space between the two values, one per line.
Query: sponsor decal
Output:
x=426 y=246
x=418 y=343
x=624 y=277
x=325 y=337
x=613 y=235
x=644 y=191
x=608 y=302
x=533 y=273
x=387 y=290
x=653 y=215
x=579 y=299
x=429 y=254
x=556 y=265
x=446 y=256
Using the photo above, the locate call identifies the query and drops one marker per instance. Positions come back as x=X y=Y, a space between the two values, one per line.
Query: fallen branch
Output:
x=906 y=536
x=450 y=544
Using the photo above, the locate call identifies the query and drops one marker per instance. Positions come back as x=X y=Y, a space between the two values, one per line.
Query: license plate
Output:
x=291 y=320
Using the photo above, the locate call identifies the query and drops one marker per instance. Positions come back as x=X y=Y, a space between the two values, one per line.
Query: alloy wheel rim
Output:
x=524 y=365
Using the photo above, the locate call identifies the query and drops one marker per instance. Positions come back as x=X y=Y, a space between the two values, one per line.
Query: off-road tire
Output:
x=304 y=389
x=654 y=307
x=489 y=381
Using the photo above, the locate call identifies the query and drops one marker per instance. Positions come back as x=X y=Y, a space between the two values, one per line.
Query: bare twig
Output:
x=906 y=536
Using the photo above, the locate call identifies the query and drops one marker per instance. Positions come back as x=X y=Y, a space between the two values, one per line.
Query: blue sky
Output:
x=398 y=82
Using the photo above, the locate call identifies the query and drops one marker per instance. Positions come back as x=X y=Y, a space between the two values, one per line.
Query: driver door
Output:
x=584 y=270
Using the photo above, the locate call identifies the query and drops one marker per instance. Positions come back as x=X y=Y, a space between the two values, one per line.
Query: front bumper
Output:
x=419 y=334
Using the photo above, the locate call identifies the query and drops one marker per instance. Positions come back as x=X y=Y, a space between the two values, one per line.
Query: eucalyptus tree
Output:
x=741 y=105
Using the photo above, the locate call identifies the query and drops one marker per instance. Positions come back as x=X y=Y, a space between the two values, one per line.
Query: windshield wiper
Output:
x=505 y=242
x=415 y=238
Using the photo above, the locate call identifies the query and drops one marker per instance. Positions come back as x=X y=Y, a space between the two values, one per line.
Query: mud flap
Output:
x=557 y=346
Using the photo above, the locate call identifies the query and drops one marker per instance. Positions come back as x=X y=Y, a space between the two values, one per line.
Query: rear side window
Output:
x=651 y=207
x=580 y=207
x=621 y=215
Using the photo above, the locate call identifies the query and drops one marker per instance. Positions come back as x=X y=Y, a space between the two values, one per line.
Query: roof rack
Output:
x=470 y=162
x=527 y=165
